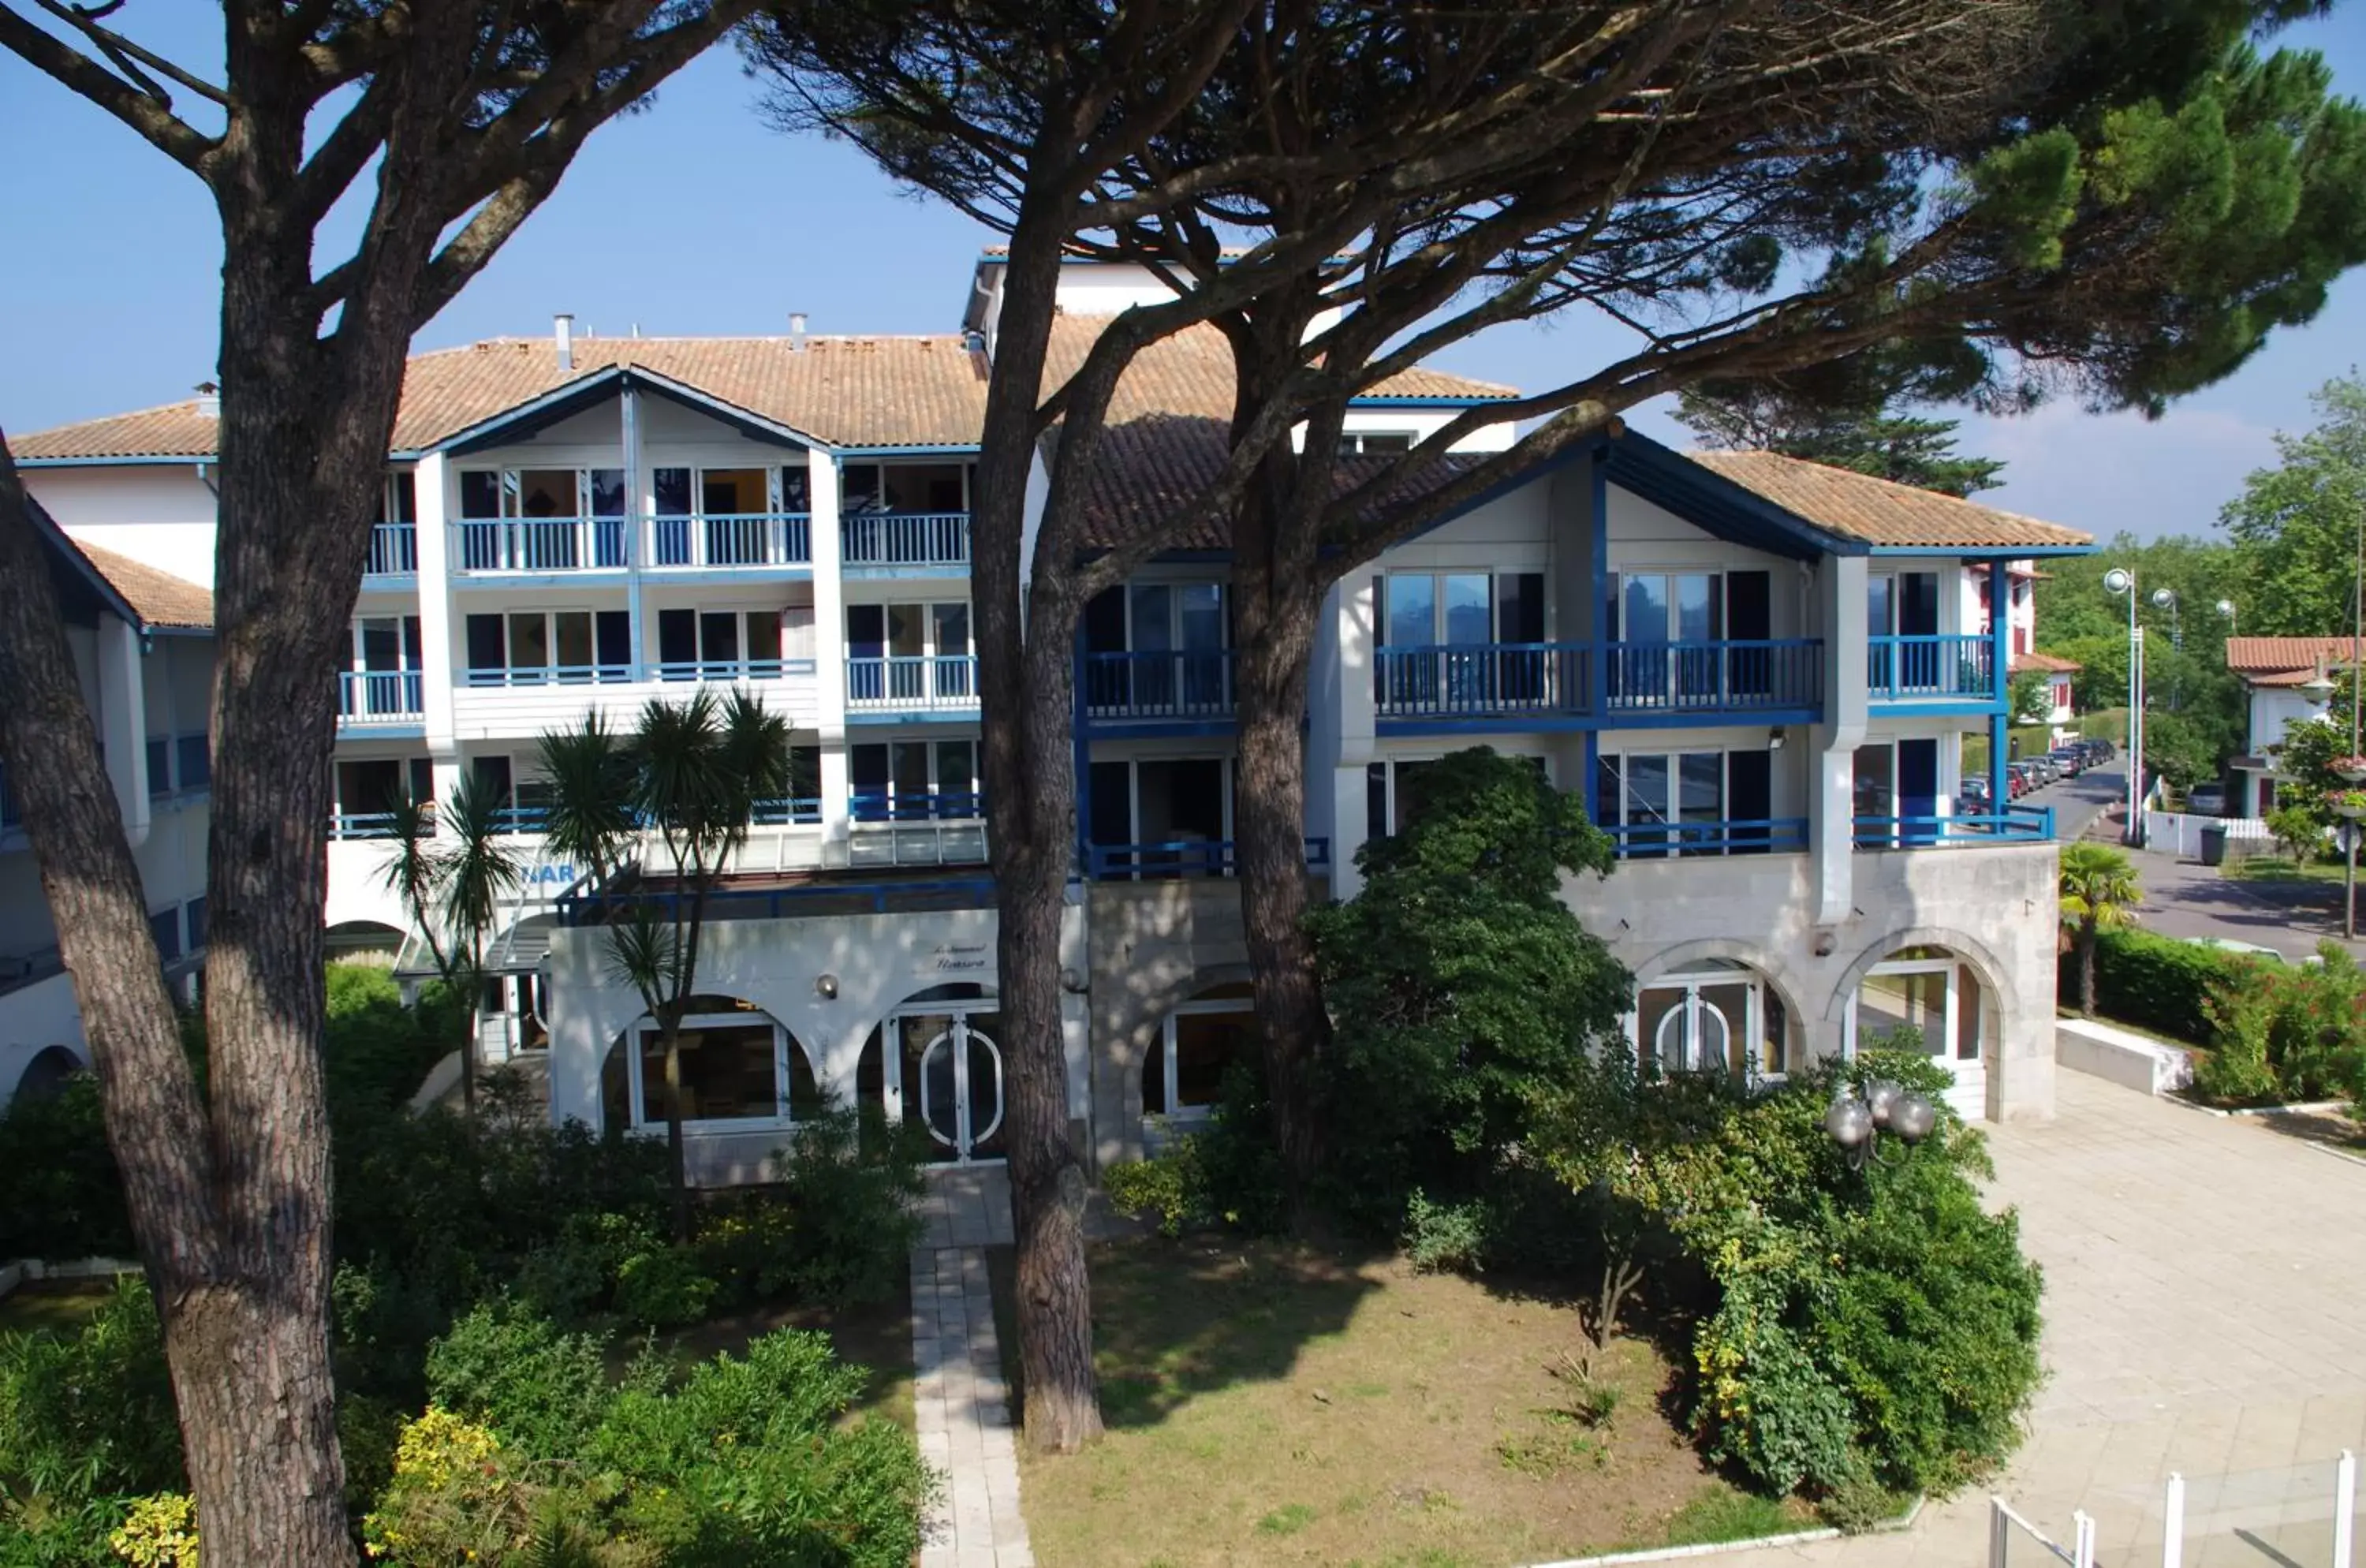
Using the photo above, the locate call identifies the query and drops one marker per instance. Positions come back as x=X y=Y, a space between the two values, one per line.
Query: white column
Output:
x=123 y=722
x=1840 y=611
x=439 y=655
x=1353 y=621
x=829 y=639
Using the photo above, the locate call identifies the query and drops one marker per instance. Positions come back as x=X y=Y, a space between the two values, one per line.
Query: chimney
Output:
x=562 y=335
x=796 y=332
x=209 y=401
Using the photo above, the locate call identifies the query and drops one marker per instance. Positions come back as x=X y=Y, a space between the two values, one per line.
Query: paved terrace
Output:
x=2206 y=1313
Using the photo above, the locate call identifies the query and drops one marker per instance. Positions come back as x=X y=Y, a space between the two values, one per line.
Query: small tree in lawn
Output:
x=692 y=776
x=1465 y=990
x=451 y=885
x=2100 y=893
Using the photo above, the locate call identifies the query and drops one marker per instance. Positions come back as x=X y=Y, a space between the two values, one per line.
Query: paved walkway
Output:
x=963 y=1407
x=2206 y=1313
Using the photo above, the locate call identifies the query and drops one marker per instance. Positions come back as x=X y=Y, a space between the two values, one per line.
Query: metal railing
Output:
x=1172 y=683
x=729 y=539
x=797 y=811
x=381 y=695
x=1740 y=836
x=912 y=681
x=734 y=670
x=1582 y=679
x=1183 y=857
x=540 y=544
x=943 y=806
x=2016 y=824
x=361 y=825
x=626 y=674
x=904 y=539
x=393 y=551
x=1919 y=669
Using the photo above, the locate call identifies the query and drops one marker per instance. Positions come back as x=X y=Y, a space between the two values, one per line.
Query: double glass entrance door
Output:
x=951 y=1073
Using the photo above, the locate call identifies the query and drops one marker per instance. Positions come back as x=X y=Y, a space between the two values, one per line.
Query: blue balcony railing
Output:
x=729 y=540
x=2016 y=824
x=1183 y=857
x=1582 y=680
x=943 y=806
x=781 y=813
x=912 y=683
x=904 y=539
x=1740 y=836
x=1172 y=685
x=379 y=696
x=541 y=544
x=393 y=551
x=1921 y=669
x=550 y=675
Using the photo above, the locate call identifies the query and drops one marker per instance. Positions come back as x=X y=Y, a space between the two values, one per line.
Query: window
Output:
x=399 y=502
x=1690 y=803
x=1392 y=791
x=194 y=754
x=193 y=918
x=909 y=653
x=1718 y=1017
x=710 y=516
x=1427 y=620
x=160 y=767
x=1183 y=1077
x=165 y=925
x=718 y=644
x=368 y=788
x=737 y=1066
x=907 y=780
x=1374 y=442
x=1923 y=1000
x=529 y=647
x=556 y=519
x=903 y=487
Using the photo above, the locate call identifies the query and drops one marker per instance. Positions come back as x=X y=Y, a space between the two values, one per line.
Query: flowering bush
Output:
x=454 y=1497
x=2288 y=1033
x=158 y=1531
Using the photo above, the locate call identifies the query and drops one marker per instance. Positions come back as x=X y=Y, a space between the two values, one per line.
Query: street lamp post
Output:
x=2352 y=769
x=2121 y=580
x=2227 y=608
x=2166 y=599
x=1856 y=1125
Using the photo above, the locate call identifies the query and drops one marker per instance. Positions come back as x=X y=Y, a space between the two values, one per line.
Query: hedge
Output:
x=2154 y=982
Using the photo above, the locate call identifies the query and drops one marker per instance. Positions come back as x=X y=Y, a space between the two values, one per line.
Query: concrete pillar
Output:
x=1840 y=612
x=829 y=640
x=1355 y=622
x=123 y=722
x=440 y=656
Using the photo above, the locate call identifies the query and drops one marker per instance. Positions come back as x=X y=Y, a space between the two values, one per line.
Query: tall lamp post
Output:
x=2121 y=580
x=2227 y=608
x=2166 y=599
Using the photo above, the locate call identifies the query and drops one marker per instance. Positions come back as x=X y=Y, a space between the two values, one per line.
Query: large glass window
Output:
x=1718 y=1017
x=737 y=1066
x=1183 y=1077
x=531 y=646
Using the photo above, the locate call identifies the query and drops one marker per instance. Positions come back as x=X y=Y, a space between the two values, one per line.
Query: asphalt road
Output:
x=2079 y=803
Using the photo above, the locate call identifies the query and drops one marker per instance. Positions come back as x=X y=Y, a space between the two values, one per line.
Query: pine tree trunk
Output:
x=677 y=1148
x=2087 y=943
x=1026 y=684
x=1277 y=628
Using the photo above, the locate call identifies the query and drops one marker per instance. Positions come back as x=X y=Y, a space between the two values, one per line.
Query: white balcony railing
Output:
x=927 y=539
x=911 y=682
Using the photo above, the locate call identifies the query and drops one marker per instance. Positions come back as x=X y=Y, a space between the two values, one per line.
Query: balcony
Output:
x=1176 y=685
x=508 y=545
x=911 y=683
x=2015 y=824
x=720 y=671
x=1660 y=840
x=1933 y=668
x=1607 y=682
x=1186 y=857
x=891 y=542
x=374 y=696
x=530 y=698
x=725 y=543
x=393 y=551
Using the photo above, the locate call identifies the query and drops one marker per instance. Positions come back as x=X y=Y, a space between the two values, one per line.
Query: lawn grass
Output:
x=1270 y=1403
x=2281 y=868
x=52 y=1306
x=877 y=1335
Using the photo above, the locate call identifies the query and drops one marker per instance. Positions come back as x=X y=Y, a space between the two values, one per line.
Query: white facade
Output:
x=1766 y=717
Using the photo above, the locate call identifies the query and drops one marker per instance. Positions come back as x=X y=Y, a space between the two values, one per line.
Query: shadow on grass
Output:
x=1175 y=1319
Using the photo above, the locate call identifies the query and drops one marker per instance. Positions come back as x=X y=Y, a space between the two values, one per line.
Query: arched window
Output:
x=1930 y=1001
x=739 y=1068
x=47 y=1072
x=1714 y=1016
x=1183 y=1075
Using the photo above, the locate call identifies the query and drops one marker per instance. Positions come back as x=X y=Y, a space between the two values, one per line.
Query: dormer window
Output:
x=1375 y=443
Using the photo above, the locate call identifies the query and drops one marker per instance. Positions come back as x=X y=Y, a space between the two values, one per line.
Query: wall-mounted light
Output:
x=1776 y=738
x=1825 y=942
x=1073 y=982
x=825 y=987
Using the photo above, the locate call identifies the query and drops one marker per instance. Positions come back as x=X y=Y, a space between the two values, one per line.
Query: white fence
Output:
x=2303 y=1514
x=2179 y=833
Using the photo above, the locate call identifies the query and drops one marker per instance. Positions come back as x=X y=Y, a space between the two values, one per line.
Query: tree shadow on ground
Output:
x=1176 y=1318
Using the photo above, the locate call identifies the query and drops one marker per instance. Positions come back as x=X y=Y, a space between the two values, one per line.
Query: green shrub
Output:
x=1168 y=1186
x=853 y=1185
x=662 y=1288
x=62 y=1198
x=543 y=1390
x=2235 y=1070
x=89 y=1415
x=1445 y=1237
x=2287 y=1033
x=2155 y=983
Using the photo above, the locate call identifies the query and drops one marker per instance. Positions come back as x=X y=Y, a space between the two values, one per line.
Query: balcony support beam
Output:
x=1841 y=588
x=2000 y=641
x=438 y=659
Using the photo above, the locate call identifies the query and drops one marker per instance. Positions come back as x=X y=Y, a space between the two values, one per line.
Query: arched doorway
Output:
x=1930 y=1001
x=935 y=1063
x=1183 y=1072
x=742 y=1069
x=1713 y=1015
x=47 y=1073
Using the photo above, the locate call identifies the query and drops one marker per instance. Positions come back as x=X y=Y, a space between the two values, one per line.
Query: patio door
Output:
x=951 y=1077
x=1928 y=1001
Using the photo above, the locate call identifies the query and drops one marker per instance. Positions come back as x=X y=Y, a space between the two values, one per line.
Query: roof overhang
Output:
x=83 y=593
x=596 y=387
x=1710 y=500
x=141 y=460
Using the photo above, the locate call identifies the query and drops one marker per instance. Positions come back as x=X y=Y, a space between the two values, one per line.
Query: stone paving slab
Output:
x=2206 y=1313
x=962 y=1410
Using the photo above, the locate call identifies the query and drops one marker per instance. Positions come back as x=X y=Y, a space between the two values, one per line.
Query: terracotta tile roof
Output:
x=1878 y=512
x=848 y=392
x=2023 y=663
x=158 y=598
x=2262 y=659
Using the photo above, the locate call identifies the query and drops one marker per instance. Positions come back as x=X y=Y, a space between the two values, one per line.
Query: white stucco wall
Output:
x=160 y=514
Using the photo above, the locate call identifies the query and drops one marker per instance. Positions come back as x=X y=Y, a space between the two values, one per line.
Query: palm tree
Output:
x=452 y=883
x=2100 y=893
x=691 y=776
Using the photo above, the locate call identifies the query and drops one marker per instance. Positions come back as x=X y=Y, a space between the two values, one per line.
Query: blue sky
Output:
x=695 y=218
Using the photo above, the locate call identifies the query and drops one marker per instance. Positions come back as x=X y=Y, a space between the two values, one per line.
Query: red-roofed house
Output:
x=2287 y=680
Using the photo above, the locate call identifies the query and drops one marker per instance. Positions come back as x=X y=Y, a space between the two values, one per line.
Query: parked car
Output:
x=2044 y=771
x=2070 y=759
x=2206 y=800
x=2023 y=779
